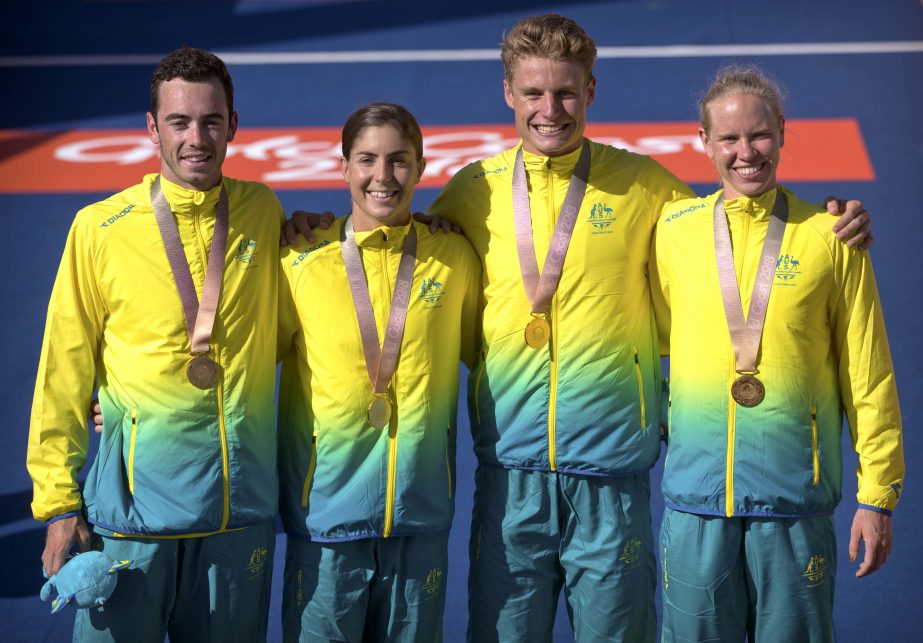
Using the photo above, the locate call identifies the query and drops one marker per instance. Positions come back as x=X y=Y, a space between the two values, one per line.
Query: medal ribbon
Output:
x=745 y=336
x=540 y=289
x=200 y=317
x=380 y=361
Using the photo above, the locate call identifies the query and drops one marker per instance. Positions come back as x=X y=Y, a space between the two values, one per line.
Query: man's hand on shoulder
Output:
x=437 y=223
x=303 y=223
x=854 y=227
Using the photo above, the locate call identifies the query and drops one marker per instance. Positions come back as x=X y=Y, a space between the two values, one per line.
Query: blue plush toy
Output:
x=88 y=579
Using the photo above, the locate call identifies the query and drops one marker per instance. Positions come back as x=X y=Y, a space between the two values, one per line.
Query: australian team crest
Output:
x=815 y=571
x=246 y=252
x=788 y=268
x=601 y=217
x=431 y=292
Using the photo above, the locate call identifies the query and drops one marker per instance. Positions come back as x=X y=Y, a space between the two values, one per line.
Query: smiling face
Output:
x=382 y=171
x=743 y=141
x=550 y=99
x=192 y=127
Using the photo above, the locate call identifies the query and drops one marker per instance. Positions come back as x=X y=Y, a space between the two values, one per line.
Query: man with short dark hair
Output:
x=166 y=300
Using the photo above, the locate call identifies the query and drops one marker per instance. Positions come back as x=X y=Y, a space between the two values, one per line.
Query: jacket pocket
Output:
x=815 y=454
x=640 y=379
x=309 y=478
x=482 y=366
x=448 y=462
x=131 y=451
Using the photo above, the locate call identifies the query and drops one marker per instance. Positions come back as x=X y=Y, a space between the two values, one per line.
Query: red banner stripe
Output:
x=309 y=158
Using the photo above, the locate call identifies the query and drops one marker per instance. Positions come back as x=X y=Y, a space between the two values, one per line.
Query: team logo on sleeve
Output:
x=431 y=292
x=788 y=268
x=601 y=217
x=304 y=255
x=110 y=220
x=677 y=215
x=481 y=175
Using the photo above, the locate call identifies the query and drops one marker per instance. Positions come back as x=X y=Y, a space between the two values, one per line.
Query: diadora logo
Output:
x=601 y=217
x=481 y=175
x=258 y=560
x=787 y=270
x=677 y=215
x=246 y=253
x=896 y=487
x=108 y=222
x=816 y=570
x=304 y=255
x=632 y=552
x=433 y=583
x=431 y=292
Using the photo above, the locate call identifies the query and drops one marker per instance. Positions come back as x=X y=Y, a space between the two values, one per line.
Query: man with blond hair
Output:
x=564 y=402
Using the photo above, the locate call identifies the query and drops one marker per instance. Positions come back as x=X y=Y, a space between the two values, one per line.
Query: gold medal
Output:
x=748 y=391
x=538 y=331
x=202 y=371
x=379 y=412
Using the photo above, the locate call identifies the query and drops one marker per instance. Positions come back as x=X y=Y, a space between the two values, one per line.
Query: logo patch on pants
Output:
x=816 y=571
x=258 y=561
x=433 y=583
x=632 y=552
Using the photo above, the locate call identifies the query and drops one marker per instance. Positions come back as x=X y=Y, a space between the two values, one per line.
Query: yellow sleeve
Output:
x=58 y=433
x=867 y=381
x=459 y=195
x=471 y=313
x=660 y=287
x=288 y=317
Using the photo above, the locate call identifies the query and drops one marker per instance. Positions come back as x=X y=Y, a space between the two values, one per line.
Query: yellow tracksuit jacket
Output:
x=824 y=352
x=173 y=459
x=589 y=403
x=342 y=479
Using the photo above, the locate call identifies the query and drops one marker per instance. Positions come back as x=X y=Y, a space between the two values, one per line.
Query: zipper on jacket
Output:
x=640 y=387
x=308 y=479
x=219 y=391
x=553 y=393
x=740 y=252
x=392 y=425
x=815 y=454
x=482 y=366
x=553 y=320
x=131 y=451
x=448 y=465
x=669 y=414
x=729 y=462
x=392 y=471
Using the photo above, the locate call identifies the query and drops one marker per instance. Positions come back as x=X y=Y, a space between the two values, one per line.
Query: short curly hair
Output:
x=548 y=36
x=194 y=66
